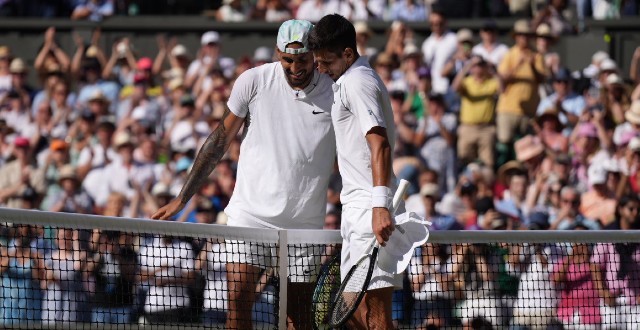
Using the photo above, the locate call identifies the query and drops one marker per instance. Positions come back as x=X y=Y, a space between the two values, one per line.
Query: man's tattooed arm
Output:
x=210 y=154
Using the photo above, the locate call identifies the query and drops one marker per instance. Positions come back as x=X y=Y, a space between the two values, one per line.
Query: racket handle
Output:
x=397 y=198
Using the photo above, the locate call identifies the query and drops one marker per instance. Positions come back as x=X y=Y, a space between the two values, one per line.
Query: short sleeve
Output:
x=363 y=98
x=505 y=64
x=244 y=89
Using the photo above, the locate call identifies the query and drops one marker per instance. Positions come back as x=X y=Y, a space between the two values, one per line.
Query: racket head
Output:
x=352 y=290
x=327 y=286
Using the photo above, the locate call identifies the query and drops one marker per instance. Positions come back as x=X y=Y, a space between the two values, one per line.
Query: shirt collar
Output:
x=362 y=61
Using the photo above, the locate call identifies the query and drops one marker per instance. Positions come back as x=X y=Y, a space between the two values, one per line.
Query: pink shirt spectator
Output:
x=578 y=295
x=610 y=261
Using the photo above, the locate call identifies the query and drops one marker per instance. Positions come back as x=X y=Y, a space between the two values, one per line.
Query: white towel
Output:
x=394 y=257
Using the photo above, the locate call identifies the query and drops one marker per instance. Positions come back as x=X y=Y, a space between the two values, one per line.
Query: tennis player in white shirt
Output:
x=363 y=122
x=288 y=154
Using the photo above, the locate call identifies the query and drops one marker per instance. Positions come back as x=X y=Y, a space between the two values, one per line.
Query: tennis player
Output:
x=288 y=153
x=363 y=122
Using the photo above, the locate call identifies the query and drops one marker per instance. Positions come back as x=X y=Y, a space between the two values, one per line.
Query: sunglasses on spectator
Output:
x=571 y=201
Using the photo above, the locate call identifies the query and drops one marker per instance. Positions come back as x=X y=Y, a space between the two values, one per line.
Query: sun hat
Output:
x=67 y=172
x=522 y=26
x=544 y=31
x=633 y=114
x=608 y=65
x=464 y=35
x=508 y=168
x=361 y=27
x=614 y=79
x=528 y=147
x=210 y=37
x=144 y=63
x=430 y=190
x=596 y=174
x=179 y=50
x=293 y=31
x=17 y=66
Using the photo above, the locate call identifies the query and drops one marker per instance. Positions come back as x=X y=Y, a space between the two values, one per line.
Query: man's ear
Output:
x=349 y=55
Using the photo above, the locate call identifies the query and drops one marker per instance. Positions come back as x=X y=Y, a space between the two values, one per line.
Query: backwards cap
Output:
x=294 y=31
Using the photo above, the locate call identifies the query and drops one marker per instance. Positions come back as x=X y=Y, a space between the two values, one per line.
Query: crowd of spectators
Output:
x=281 y=10
x=491 y=136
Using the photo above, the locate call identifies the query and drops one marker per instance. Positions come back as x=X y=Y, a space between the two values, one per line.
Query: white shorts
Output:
x=357 y=233
x=304 y=261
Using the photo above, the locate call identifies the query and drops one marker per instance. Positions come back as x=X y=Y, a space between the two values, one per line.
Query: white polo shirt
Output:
x=437 y=51
x=288 y=150
x=361 y=103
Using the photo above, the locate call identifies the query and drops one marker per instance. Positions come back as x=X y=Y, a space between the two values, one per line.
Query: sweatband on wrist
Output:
x=380 y=196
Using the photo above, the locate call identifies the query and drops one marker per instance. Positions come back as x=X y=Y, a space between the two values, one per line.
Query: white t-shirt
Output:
x=437 y=51
x=167 y=261
x=288 y=151
x=494 y=56
x=361 y=103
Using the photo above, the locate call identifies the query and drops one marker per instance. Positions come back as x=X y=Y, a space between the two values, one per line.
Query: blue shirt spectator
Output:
x=408 y=10
x=93 y=10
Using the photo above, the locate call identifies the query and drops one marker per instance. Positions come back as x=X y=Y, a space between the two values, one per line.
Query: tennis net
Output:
x=84 y=272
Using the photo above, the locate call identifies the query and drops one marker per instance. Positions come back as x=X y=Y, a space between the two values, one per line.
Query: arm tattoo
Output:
x=209 y=156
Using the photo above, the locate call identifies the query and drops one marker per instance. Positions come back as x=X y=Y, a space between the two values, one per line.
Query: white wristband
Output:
x=380 y=196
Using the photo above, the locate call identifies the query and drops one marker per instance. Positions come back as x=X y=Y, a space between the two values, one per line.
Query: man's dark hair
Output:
x=333 y=33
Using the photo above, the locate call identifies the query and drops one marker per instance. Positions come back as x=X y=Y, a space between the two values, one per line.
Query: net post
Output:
x=283 y=270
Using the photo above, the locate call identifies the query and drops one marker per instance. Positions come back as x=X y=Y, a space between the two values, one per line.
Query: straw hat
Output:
x=544 y=31
x=17 y=66
x=67 y=172
x=411 y=50
x=430 y=190
x=522 y=26
x=633 y=114
x=98 y=96
x=362 y=28
x=509 y=168
x=528 y=147
x=464 y=35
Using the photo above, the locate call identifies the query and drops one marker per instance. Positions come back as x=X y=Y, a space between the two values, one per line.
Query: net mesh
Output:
x=83 y=272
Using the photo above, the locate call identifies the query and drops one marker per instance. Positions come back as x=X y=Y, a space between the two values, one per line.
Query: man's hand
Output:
x=169 y=210
x=382 y=224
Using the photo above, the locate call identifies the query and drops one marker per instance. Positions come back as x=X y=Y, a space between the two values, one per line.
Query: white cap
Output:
x=634 y=144
x=293 y=31
x=608 y=65
x=179 y=50
x=210 y=37
x=597 y=174
x=614 y=79
x=599 y=56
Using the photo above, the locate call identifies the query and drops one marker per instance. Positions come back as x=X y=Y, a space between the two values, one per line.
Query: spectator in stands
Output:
x=578 y=306
x=437 y=49
x=16 y=113
x=616 y=272
x=417 y=100
x=521 y=71
x=51 y=54
x=22 y=276
x=478 y=91
x=93 y=10
x=589 y=143
x=65 y=298
x=461 y=56
x=92 y=70
x=599 y=202
x=617 y=99
x=536 y=304
x=71 y=198
x=549 y=129
x=19 y=74
x=51 y=78
x=125 y=173
x=232 y=11
x=435 y=287
x=5 y=75
x=314 y=10
x=55 y=157
x=567 y=104
x=553 y=15
x=569 y=216
x=490 y=49
x=363 y=35
x=99 y=153
x=167 y=264
x=408 y=11
x=477 y=268
x=209 y=53
x=19 y=175
x=271 y=11
x=113 y=266
x=435 y=136
x=121 y=64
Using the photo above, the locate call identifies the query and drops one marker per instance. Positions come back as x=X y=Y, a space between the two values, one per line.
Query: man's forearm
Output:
x=210 y=154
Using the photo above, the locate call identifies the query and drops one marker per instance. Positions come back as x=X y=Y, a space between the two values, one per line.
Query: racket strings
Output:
x=353 y=290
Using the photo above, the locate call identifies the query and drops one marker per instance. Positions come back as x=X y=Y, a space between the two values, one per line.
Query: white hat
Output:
x=608 y=65
x=614 y=79
x=121 y=139
x=464 y=35
x=396 y=255
x=179 y=50
x=139 y=113
x=410 y=49
x=634 y=144
x=430 y=190
x=597 y=174
x=599 y=56
x=160 y=188
x=211 y=37
x=362 y=28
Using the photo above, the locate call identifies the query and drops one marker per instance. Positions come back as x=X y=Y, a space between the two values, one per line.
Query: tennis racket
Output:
x=327 y=287
x=357 y=279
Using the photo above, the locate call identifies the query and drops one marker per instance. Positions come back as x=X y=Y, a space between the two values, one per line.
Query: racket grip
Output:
x=397 y=198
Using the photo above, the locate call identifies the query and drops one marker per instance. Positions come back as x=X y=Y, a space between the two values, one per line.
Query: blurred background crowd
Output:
x=492 y=136
x=277 y=10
